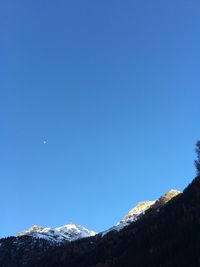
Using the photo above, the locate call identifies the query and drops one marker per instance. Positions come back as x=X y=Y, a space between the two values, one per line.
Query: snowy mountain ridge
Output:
x=68 y=232
x=140 y=209
x=71 y=232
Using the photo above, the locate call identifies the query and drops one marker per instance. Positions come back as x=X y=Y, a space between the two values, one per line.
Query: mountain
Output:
x=37 y=242
x=167 y=236
x=68 y=232
x=161 y=233
x=72 y=232
x=141 y=208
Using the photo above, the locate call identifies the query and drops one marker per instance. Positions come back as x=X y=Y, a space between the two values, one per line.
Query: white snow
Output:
x=68 y=232
x=131 y=217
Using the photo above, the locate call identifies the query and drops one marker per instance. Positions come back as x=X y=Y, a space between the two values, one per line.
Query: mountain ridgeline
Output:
x=161 y=233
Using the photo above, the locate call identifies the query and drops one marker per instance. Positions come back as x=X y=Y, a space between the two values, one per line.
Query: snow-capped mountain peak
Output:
x=68 y=232
x=132 y=216
x=140 y=209
x=32 y=230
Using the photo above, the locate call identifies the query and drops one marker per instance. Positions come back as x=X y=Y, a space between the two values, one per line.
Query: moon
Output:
x=44 y=142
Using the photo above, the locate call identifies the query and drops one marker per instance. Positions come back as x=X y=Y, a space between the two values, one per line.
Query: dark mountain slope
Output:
x=168 y=237
x=22 y=251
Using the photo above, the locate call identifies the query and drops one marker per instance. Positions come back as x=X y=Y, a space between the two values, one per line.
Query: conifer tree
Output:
x=197 y=161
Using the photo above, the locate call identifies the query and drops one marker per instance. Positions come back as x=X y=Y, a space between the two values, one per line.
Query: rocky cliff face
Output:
x=139 y=209
x=165 y=198
x=143 y=206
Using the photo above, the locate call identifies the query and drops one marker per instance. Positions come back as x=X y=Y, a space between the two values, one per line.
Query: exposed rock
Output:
x=139 y=209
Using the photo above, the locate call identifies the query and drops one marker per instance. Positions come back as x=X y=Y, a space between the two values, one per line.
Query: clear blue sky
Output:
x=114 y=89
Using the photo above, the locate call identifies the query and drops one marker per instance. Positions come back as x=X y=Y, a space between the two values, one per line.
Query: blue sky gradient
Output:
x=114 y=89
